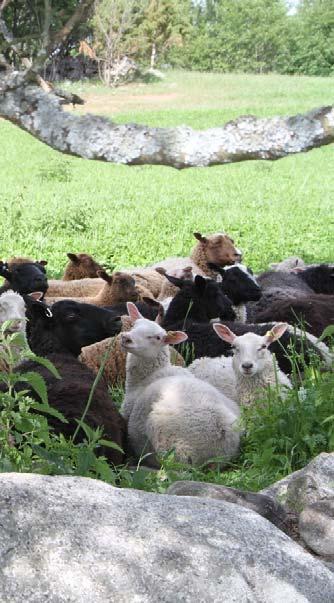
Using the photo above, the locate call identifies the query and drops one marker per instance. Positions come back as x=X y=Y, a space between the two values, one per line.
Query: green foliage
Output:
x=243 y=35
x=27 y=443
x=30 y=24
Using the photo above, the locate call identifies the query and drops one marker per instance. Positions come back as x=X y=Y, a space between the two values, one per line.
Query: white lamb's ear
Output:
x=36 y=295
x=276 y=332
x=224 y=332
x=133 y=311
x=174 y=337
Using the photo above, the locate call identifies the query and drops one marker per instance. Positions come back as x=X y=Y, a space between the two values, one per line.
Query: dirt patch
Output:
x=122 y=103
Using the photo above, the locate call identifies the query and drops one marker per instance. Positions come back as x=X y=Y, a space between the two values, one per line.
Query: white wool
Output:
x=228 y=376
x=168 y=408
x=12 y=307
x=288 y=264
x=165 y=303
x=218 y=372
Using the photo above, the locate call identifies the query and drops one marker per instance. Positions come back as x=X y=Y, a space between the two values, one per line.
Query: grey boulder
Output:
x=260 y=503
x=80 y=540
x=316 y=526
x=311 y=484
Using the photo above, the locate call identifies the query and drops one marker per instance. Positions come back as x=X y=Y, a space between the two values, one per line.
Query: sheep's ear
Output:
x=150 y=301
x=133 y=311
x=105 y=276
x=161 y=270
x=200 y=283
x=73 y=257
x=36 y=295
x=216 y=268
x=178 y=282
x=42 y=262
x=37 y=306
x=160 y=316
x=275 y=333
x=174 y=337
x=200 y=237
x=224 y=332
x=4 y=271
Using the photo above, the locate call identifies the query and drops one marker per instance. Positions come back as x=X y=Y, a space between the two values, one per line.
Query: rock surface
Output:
x=316 y=526
x=79 y=540
x=311 y=484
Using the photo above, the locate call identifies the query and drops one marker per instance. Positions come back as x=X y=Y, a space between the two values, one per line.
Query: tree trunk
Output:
x=24 y=103
x=153 y=55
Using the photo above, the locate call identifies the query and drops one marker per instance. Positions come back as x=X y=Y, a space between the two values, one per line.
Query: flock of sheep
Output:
x=234 y=331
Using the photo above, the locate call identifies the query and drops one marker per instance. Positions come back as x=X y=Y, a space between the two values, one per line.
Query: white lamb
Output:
x=167 y=407
x=251 y=369
x=12 y=307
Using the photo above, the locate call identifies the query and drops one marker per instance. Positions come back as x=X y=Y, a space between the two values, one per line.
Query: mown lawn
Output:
x=52 y=203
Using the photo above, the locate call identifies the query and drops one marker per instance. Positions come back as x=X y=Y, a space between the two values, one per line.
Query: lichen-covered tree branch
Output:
x=40 y=113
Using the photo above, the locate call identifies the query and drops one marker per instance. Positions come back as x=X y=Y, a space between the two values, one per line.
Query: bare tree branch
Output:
x=77 y=17
x=22 y=102
x=3 y=5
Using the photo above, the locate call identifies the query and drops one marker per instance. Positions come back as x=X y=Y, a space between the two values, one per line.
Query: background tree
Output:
x=41 y=27
x=312 y=38
x=115 y=30
x=165 y=24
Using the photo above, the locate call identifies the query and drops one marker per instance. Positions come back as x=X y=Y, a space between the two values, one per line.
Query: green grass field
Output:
x=52 y=203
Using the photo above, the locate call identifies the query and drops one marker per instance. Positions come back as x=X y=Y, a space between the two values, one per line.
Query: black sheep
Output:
x=59 y=334
x=200 y=300
x=319 y=278
x=238 y=283
x=279 y=285
x=316 y=312
x=24 y=277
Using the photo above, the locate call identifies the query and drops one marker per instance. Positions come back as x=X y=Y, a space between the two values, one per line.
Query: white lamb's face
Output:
x=12 y=307
x=145 y=339
x=249 y=354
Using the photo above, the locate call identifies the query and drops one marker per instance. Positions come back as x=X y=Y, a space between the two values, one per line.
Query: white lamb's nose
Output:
x=247 y=365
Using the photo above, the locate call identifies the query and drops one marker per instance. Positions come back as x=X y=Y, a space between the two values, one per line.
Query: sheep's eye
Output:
x=71 y=317
x=263 y=347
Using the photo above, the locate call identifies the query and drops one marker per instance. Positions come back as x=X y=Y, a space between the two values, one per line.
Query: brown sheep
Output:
x=216 y=248
x=118 y=287
x=81 y=265
x=115 y=367
x=80 y=278
x=148 y=278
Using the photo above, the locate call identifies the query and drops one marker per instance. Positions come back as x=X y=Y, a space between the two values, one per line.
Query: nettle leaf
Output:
x=18 y=339
x=49 y=410
x=111 y=444
x=44 y=362
x=93 y=435
x=328 y=332
x=37 y=382
x=85 y=460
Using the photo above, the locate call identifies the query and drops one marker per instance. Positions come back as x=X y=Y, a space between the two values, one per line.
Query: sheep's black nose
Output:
x=247 y=365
